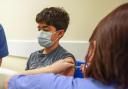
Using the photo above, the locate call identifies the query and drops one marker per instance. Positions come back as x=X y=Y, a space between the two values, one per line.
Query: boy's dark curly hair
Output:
x=54 y=16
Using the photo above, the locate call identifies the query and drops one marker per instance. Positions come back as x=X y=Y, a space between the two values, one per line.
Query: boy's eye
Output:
x=43 y=29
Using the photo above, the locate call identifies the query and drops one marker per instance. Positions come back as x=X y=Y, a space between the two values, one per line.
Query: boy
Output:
x=52 y=24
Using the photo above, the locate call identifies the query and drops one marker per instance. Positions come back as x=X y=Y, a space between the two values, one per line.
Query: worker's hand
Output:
x=61 y=65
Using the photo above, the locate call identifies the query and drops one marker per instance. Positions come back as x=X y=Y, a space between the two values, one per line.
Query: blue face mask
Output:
x=44 y=39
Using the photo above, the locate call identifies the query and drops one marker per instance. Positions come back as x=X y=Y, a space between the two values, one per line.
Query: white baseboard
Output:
x=23 y=48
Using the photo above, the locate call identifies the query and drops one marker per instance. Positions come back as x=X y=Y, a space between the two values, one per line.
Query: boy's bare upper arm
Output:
x=70 y=71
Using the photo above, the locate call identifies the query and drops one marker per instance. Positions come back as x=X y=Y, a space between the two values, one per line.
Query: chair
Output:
x=78 y=73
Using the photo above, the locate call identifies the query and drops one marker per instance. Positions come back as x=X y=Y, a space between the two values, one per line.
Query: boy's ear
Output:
x=61 y=33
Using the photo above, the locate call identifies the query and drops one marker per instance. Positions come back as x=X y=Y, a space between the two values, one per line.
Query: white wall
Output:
x=18 y=16
x=23 y=48
x=18 y=19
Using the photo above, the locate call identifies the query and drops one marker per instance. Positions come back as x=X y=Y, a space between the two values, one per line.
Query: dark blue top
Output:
x=3 y=43
x=52 y=81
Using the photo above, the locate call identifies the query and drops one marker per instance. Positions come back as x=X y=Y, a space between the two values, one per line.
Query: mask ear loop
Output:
x=58 y=36
x=61 y=33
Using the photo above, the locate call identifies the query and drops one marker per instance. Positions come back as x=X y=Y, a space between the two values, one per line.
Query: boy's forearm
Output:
x=36 y=71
